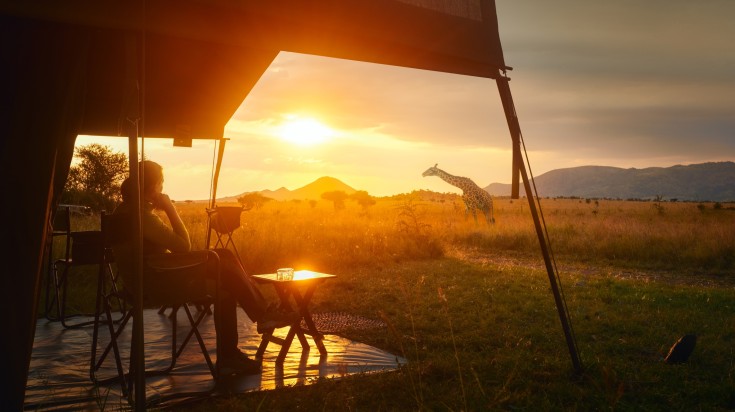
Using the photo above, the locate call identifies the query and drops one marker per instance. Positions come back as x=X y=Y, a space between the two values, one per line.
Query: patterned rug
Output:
x=339 y=322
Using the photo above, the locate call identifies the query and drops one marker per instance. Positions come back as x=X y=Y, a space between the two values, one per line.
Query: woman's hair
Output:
x=151 y=174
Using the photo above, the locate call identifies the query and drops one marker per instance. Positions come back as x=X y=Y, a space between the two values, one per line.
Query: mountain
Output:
x=698 y=182
x=313 y=190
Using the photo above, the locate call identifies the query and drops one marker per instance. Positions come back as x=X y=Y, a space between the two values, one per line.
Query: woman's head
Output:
x=151 y=181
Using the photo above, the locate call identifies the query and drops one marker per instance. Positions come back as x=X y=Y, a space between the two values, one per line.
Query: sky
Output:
x=617 y=83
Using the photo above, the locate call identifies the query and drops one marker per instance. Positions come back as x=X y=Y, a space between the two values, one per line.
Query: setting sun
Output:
x=304 y=131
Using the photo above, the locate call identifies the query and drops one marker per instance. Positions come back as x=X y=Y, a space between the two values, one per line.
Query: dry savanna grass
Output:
x=674 y=235
x=469 y=304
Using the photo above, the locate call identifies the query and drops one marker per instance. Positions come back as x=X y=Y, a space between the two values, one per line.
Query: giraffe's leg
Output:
x=489 y=218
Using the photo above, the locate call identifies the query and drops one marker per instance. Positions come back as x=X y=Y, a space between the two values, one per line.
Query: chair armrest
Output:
x=176 y=261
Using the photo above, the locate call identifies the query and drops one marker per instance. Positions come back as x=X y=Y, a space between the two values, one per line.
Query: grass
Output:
x=470 y=307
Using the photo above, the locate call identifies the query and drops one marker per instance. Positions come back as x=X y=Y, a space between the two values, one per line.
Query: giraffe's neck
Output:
x=452 y=180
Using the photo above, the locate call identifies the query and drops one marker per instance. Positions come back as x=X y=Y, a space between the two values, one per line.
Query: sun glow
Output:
x=304 y=131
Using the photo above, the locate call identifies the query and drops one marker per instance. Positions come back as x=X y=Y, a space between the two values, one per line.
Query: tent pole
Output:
x=137 y=356
x=133 y=110
x=520 y=168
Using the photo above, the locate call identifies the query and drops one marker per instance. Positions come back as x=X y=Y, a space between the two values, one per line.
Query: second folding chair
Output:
x=224 y=220
x=84 y=252
x=59 y=231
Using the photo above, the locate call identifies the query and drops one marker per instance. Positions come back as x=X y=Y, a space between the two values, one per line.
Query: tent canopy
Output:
x=202 y=58
x=183 y=67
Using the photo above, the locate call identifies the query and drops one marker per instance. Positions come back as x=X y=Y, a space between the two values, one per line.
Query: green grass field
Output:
x=470 y=305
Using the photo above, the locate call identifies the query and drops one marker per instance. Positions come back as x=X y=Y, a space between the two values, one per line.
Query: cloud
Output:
x=624 y=83
x=620 y=80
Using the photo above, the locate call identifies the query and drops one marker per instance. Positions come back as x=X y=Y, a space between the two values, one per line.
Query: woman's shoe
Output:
x=238 y=363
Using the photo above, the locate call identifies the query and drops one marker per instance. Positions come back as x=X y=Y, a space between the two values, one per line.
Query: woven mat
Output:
x=338 y=322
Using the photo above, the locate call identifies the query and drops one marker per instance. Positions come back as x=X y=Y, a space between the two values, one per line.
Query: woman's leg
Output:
x=237 y=283
x=225 y=324
x=225 y=316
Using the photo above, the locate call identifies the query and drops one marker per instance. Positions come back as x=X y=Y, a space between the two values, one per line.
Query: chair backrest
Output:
x=62 y=221
x=116 y=229
x=61 y=226
x=225 y=219
x=86 y=247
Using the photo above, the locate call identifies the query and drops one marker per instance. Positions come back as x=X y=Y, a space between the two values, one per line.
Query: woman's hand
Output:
x=161 y=201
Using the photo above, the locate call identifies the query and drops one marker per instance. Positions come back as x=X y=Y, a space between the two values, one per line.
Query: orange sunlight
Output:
x=304 y=131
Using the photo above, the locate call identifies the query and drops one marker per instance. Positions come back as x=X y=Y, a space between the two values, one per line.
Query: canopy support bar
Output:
x=215 y=180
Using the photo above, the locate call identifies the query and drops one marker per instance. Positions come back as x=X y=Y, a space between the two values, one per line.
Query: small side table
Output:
x=301 y=288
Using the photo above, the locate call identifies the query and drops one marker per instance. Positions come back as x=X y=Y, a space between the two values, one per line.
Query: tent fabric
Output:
x=42 y=95
x=192 y=87
x=59 y=372
x=183 y=67
x=469 y=9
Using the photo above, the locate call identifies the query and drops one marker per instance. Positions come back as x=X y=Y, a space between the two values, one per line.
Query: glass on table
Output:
x=284 y=274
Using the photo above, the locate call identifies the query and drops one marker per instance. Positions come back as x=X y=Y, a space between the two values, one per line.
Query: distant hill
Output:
x=697 y=182
x=311 y=191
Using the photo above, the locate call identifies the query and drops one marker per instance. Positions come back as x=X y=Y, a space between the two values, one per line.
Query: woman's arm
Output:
x=175 y=238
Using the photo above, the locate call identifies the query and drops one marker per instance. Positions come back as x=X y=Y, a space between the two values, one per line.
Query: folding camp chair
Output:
x=60 y=228
x=83 y=249
x=170 y=279
x=224 y=220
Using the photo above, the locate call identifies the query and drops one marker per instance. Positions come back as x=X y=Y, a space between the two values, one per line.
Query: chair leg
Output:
x=121 y=303
x=50 y=298
x=195 y=331
x=62 y=296
x=49 y=301
x=174 y=329
x=96 y=363
x=59 y=283
x=62 y=287
x=118 y=360
x=95 y=334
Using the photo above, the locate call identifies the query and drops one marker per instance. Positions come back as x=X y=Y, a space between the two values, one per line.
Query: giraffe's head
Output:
x=432 y=171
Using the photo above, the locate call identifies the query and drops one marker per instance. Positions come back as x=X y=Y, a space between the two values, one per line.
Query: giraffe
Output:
x=474 y=197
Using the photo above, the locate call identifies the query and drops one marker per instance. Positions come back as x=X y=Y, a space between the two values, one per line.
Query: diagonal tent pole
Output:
x=215 y=180
x=519 y=168
x=218 y=166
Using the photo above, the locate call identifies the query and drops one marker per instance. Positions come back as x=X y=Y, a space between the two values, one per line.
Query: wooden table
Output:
x=301 y=288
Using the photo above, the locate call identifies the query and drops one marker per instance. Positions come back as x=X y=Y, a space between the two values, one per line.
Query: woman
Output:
x=236 y=285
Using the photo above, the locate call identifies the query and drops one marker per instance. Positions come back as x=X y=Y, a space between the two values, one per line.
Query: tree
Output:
x=337 y=197
x=363 y=199
x=95 y=179
x=253 y=199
